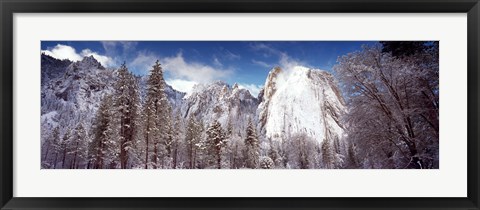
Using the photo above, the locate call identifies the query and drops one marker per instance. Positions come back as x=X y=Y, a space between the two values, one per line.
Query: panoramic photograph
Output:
x=239 y=105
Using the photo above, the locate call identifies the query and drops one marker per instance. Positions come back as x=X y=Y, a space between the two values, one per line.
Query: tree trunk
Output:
x=415 y=161
x=175 y=154
x=219 y=159
x=194 y=159
x=64 y=156
x=99 y=159
x=123 y=156
x=126 y=133
x=75 y=157
x=122 y=141
x=46 y=152
x=155 y=155
x=190 y=155
x=146 y=149
x=55 y=161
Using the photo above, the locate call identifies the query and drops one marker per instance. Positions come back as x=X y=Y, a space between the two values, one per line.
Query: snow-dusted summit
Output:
x=301 y=100
x=222 y=102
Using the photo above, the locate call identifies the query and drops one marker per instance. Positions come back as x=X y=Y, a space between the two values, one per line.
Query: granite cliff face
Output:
x=301 y=100
x=218 y=101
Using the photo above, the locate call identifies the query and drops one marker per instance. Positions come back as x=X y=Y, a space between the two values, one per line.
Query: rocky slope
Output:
x=302 y=100
x=219 y=101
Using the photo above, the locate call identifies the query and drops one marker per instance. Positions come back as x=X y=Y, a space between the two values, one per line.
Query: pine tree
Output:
x=352 y=160
x=177 y=130
x=50 y=140
x=169 y=136
x=157 y=111
x=52 y=144
x=266 y=163
x=233 y=144
x=273 y=153
x=216 y=142
x=78 y=140
x=64 y=145
x=192 y=139
x=328 y=154
x=126 y=103
x=251 y=147
x=201 y=148
x=101 y=134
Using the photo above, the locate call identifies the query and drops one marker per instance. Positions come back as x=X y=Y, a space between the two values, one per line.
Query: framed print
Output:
x=239 y=105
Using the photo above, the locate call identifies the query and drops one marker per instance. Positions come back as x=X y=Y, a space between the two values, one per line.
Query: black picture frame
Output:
x=10 y=7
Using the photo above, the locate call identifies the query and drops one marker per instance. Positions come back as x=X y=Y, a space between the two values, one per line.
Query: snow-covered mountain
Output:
x=52 y=67
x=298 y=101
x=72 y=93
x=75 y=93
x=75 y=89
x=219 y=101
x=301 y=100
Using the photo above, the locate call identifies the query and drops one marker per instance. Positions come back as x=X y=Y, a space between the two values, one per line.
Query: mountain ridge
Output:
x=296 y=101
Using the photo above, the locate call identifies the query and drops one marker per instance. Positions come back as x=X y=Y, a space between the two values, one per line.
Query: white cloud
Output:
x=183 y=75
x=231 y=56
x=111 y=46
x=192 y=71
x=266 y=49
x=228 y=55
x=63 y=52
x=67 y=52
x=261 y=63
x=185 y=86
x=217 y=62
x=285 y=62
x=254 y=89
x=143 y=62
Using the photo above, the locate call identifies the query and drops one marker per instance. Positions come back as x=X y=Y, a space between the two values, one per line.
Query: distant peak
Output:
x=89 y=58
x=301 y=68
x=276 y=70
x=90 y=61
x=220 y=83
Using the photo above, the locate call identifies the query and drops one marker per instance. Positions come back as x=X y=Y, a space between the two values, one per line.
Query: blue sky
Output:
x=189 y=62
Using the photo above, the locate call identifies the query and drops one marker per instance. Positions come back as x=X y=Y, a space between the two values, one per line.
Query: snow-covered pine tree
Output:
x=328 y=154
x=251 y=147
x=273 y=153
x=78 y=145
x=65 y=144
x=302 y=151
x=266 y=163
x=201 y=155
x=235 y=145
x=352 y=159
x=192 y=139
x=216 y=142
x=168 y=141
x=50 y=143
x=157 y=111
x=177 y=135
x=126 y=105
x=101 y=131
